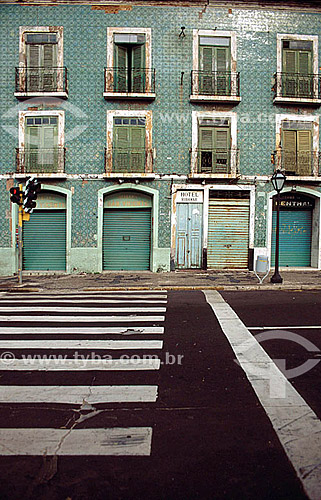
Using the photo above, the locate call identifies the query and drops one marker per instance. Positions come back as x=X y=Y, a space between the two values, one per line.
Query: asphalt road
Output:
x=211 y=438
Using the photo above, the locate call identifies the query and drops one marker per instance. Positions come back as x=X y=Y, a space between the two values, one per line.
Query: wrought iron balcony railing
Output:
x=216 y=161
x=130 y=80
x=40 y=161
x=297 y=85
x=303 y=163
x=215 y=83
x=129 y=160
x=41 y=79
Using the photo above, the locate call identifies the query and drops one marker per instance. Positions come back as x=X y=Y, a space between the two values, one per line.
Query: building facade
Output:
x=154 y=129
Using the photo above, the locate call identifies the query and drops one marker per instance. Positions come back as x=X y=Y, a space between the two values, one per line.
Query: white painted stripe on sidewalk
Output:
x=81 y=344
x=11 y=302
x=72 y=309
x=307 y=327
x=79 y=319
x=79 y=364
x=86 y=442
x=82 y=330
x=70 y=394
x=296 y=425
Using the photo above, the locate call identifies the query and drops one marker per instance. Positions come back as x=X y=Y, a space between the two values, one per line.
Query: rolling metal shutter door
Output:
x=44 y=241
x=126 y=239
x=295 y=238
x=228 y=233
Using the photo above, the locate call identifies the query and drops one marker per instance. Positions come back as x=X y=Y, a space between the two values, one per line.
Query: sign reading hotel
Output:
x=189 y=197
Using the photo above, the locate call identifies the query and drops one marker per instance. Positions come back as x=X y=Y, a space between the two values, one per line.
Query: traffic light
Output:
x=32 y=189
x=16 y=195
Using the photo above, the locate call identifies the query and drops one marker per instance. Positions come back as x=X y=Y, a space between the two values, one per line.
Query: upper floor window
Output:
x=41 y=70
x=214 y=76
x=297 y=78
x=41 y=142
x=129 y=72
x=129 y=148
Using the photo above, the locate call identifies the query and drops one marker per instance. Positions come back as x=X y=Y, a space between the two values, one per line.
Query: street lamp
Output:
x=278 y=180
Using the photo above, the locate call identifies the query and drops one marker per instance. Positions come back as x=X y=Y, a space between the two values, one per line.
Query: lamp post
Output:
x=278 y=180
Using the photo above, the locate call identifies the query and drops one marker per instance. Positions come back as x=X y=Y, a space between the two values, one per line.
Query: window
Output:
x=129 y=143
x=214 y=146
x=41 y=142
x=297 y=77
x=41 y=68
x=129 y=72
x=214 y=76
x=214 y=150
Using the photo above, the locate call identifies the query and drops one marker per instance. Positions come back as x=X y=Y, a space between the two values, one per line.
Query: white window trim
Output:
x=196 y=116
x=111 y=114
x=148 y=58
x=314 y=119
x=219 y=34
x=61 y=127
x=23 y=57
x=280 y=37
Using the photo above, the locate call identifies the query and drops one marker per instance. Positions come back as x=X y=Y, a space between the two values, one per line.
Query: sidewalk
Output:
x=177 y=280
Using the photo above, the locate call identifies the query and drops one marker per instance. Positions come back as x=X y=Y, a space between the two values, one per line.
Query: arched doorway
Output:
x=127 y=225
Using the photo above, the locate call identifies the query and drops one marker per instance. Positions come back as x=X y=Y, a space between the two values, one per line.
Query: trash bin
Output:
x=262 y=264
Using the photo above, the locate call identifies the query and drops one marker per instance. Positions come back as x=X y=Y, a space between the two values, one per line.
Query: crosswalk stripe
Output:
x=133 y=330
x=81 y=363
x=81 y=296
x=83 y=301
x=80 y=319
x=83 y=309
x=102 y=442
x=69 y=394
x=81 y=344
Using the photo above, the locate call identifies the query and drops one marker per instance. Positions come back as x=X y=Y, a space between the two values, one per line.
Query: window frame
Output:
x=23 y=31
x=111 y=114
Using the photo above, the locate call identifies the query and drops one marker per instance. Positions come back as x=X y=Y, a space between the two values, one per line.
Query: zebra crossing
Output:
x=108 y=333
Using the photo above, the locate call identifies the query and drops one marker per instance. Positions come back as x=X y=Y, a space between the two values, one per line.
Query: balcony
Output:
x=124 y=83
x=297 y=88
x=128 y=162
x=40 y=161
x=38 y=81
x=303 y=163
x=216 y=86
x=215 y=162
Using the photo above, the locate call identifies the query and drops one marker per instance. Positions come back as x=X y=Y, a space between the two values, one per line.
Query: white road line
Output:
x=77 y=395
x=79 y=364
x=80 y=302
x=80 y=297
x=307 y=327
x=131 y=330
x=79 y=319
x=296 y=425
x=82 y=309
x=81 y=344
x=87 y=442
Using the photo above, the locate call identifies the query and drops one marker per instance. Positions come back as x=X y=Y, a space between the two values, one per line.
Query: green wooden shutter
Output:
x=49 y=153
x=121 y=69
x=138 y=70
x=33 y=64
x=222 y=67
x=289 y=79
x=289 y=150
x=304 y=64
x=221 y=152
x=304 y=157
x=121 y=153
x=206 y=147
x=31 y=151
x=289 y=61
x=49 y=80
x=206 y=77
x=137 y=157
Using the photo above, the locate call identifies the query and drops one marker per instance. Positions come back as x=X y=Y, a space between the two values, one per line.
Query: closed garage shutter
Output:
x=295 y=238
x=228 y=233
x=44 y=241
x=126 y=239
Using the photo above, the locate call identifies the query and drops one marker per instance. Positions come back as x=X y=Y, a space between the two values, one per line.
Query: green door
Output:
x=295 y=238
x=126 y=239
x=44 y=241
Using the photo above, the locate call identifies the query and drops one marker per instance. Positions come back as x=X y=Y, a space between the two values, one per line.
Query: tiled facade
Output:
x=85 y=113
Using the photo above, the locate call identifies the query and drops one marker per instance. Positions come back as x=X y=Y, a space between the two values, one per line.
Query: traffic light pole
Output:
x=20 y=216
